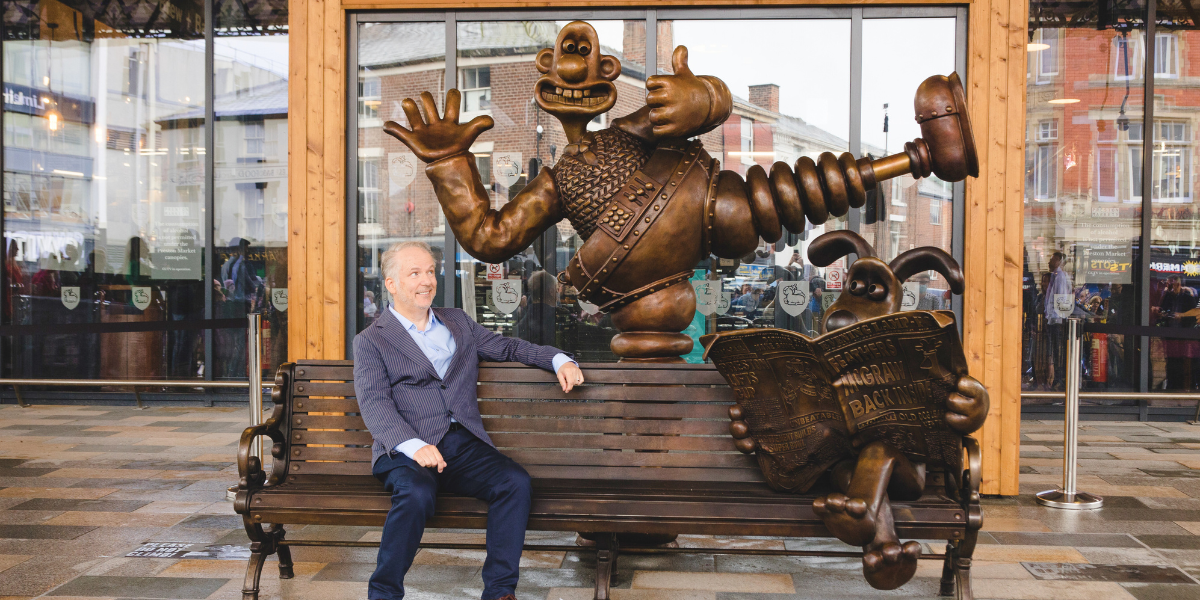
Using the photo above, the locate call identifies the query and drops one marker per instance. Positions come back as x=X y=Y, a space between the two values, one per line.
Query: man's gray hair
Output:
x=390 y=261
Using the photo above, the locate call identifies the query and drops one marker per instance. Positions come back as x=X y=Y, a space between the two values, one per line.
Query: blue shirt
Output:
x=437 y=343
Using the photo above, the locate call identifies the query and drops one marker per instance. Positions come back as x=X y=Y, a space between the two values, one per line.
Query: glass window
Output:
x=395 y=199
x=103 y=187
x=1084 y=153
x=250 y=181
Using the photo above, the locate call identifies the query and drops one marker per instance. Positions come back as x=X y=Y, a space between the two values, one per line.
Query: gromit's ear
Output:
x=836 y=244
x=929 y=258
x=610 y=67
x=545 y=58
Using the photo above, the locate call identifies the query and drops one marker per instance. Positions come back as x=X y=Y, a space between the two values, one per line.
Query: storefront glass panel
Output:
x=905 y=213
x=250 y=101
x=1174 y=222
x=1083 y=191
x=103 y=184
x=395 y=199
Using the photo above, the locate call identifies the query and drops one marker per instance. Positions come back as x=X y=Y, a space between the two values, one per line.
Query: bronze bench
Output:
x=641 y=448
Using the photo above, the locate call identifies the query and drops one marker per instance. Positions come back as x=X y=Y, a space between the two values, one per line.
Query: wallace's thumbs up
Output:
x=679 y=61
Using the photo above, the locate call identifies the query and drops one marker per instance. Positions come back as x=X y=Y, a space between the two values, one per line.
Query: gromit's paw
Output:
x=890 y=565
x=850 y=519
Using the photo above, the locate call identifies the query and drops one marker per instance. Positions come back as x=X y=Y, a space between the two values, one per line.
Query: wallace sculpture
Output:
x=648 y=200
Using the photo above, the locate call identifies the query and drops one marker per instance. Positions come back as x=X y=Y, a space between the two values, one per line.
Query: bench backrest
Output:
x=663 y=422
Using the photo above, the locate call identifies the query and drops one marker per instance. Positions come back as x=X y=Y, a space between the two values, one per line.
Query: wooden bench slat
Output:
x=604 y=409
x=311 y=372
x=329 y=468
x=615 y=442
x=331 y=453
x=538 y=425
x=357 y=438
x=334 y=405
x=611 y=376
x=639 y=473
x=624 y=393
x=600 y=458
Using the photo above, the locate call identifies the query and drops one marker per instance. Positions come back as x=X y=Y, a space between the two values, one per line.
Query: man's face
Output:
x=924 y=281
x=1055 y=261
x=414 y=282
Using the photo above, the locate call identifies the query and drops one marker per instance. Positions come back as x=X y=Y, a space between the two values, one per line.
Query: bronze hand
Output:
x=684 y=104
x=432 y=138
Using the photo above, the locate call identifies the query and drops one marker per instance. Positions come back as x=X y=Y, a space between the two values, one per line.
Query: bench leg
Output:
x=285 y=553
x=254 y=568
x=607 y=549
x=947 y=588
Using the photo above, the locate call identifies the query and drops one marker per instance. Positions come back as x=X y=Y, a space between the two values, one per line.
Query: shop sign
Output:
x=506 y=295
x=495 y=272
x=70 y=297
x=706 y=297
x=279 y=299
x=753 y=271
x=141 y=297
x=402 y=169
x=506 y=168
x=1107 y=262
x=1191 y=268
x=794 y=296
x=177 y=254
x=30 y=101
x=910 y=296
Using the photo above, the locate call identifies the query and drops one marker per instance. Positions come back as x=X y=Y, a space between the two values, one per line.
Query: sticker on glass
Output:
x=279 y=299
x=495 y=272
x=141 y=297
x=1064 y=305
x=833 y=278
x=506 y=167
x=910 y=296
x=706 y=297
x=70 y=297
x=794 y=296
x=506 y=295
x=828 y=299
x=402 y=168
x=724 y=301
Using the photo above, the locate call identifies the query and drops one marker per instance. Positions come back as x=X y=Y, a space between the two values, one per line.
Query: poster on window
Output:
x=506 y=168
x=1107 y=262
x=794 y=296
x=279 y=299
x=828 y=299
x=402 y=169
x=70 y=296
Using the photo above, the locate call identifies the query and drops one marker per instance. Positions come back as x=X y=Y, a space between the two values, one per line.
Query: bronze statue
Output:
x=649 y=202
x=806 y=405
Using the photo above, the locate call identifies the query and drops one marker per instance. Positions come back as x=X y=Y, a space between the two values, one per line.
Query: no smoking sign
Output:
x=833 y=279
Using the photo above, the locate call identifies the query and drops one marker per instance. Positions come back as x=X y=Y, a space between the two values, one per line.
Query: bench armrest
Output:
x=972 y=477
x=250 y=473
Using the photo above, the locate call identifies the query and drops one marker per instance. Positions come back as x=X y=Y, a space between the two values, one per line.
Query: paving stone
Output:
x=1115 y=573
x=62 y=504
x=1161 y=591
x=43 y=532
x=1171 y=542
x=183 y=588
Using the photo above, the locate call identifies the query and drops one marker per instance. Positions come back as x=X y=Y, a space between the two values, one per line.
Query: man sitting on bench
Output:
x=415 y=374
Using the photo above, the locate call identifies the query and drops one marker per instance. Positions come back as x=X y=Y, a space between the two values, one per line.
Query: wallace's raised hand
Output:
x=432 y=138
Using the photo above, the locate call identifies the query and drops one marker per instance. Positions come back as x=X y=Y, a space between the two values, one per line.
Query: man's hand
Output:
x=967 y=407
x=432 y=138
x=428 y=456
x=569 y=376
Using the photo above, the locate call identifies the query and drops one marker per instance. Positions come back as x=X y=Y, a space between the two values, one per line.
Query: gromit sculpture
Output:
x=649 y=201
x=879 y=396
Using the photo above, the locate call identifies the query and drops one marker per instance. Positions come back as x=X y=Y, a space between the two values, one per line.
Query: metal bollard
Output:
x=254 y=374
x=1067 y=496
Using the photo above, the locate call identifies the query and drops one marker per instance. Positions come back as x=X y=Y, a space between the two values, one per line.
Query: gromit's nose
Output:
x=839 y=319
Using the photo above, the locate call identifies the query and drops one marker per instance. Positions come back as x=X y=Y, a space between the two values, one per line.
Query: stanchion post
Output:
x=1068 y=496
x=254 y=374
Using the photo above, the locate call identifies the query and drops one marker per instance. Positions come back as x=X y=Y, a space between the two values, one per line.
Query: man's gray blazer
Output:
x=400 y=394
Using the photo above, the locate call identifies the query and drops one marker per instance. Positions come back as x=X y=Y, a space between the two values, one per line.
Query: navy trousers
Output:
x=473 y=468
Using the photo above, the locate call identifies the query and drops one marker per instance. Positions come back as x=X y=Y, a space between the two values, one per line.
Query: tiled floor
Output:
x=82 y=487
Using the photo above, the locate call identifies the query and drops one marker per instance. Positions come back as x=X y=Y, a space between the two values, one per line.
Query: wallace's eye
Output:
x=569 y=47
x=584 y=49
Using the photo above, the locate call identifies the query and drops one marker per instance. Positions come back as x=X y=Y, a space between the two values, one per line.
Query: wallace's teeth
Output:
x=578 y=93
x=558 y=91
x=587 y=93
